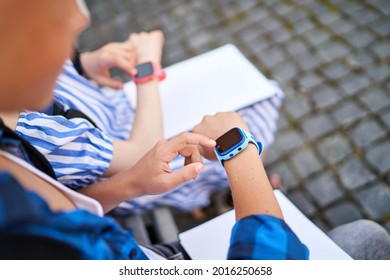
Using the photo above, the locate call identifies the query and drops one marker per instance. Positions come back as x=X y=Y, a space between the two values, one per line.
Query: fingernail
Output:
x=199 y=168
x=213 y=142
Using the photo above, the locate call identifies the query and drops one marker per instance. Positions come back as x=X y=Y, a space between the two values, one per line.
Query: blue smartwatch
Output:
x=234 y=142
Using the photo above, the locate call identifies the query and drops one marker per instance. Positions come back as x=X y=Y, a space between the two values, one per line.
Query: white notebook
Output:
x=210 y=241
x=217 y=81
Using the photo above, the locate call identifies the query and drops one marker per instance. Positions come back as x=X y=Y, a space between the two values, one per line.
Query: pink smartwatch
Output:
x=148 y=71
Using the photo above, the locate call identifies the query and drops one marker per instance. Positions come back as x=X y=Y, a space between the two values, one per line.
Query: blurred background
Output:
x=331 y=58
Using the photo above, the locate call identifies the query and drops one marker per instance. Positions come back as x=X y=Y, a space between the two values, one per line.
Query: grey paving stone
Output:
x=334 y=148
x=244 y=5
x=364 y=16
x=354 y=174
x=317 y=36
x=281 y=8
x=324 y=189
x=381 y=5
x=249 y=34
x=380 y=27
x=375 y=99
x=297 y=107
x=270 y=24
x=296 y=14
x=273 y=155
x=341 y=26
x=325 y=96
x=332 y=50
x=366 y=132
x=349 y=7
x=284 y=171
x=376 y=200
x=257 y=46
x=327 y=16
x=382 y=49
x=317 y=8
x=296 y=46
x=303 y=2
x=359 y=38
x=348 y=113
x=342 y=213
x=199 y=40
x=358 y=59
x=281 y=36
x=305 y=162
x=288 y=140
x=271 y=56
x=321 y=224
x=282 y=121
x=303 y=203
x=317 y=126
x=175 y=55
x=307 y=61
x=378 y=72
x=285 y=72
x=354 y=83
x=310 y=80
x=386 y=118
x=379 y=157
x=336 y=70
x=257 y=14
x=302 y=26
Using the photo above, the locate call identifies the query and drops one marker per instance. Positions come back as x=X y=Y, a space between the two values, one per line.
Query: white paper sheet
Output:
x=210 y=241
x=217 y=81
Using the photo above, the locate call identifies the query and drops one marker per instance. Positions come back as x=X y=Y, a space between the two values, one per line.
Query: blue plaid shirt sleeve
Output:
x=264 y=237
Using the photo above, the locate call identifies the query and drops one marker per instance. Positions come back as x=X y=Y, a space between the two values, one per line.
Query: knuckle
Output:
x=185 y=135
x=159 y=148
x=206 y=118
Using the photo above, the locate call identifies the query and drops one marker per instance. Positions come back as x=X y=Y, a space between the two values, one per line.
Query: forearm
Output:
x=147 y=130
x=113 y=191
x=148 y=124
x=251 y=190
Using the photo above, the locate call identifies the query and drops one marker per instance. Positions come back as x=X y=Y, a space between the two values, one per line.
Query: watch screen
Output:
x=144 y=70
x=228 y=140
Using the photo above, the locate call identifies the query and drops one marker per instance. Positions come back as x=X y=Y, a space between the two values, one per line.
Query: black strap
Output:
x=71 y=113
x=77 y=63
x=36 y=158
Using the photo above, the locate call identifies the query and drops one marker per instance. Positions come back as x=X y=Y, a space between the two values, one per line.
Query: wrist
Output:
x=247 y=158
x=130 y=185
x=148 y=86
x=85 y=61
x=233 y=142
x=148 y=71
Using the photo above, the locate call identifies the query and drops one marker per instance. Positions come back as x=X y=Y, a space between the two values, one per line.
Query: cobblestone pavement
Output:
x=331 y=57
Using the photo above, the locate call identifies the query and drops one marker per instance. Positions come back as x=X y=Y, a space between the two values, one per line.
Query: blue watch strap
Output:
x=238 y=147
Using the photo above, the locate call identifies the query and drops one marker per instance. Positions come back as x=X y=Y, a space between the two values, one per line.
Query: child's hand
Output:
x=152 y=174
x=97 y=64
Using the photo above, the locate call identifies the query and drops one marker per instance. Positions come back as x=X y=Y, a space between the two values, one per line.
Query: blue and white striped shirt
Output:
x=110 y=110
x=78 y=152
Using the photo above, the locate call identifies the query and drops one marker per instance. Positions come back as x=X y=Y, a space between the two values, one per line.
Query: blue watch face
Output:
x=144 y=70
x=229 y=140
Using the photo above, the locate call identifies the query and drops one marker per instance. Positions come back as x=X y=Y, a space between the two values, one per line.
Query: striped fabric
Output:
x=110 y=110
x=80 y=153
